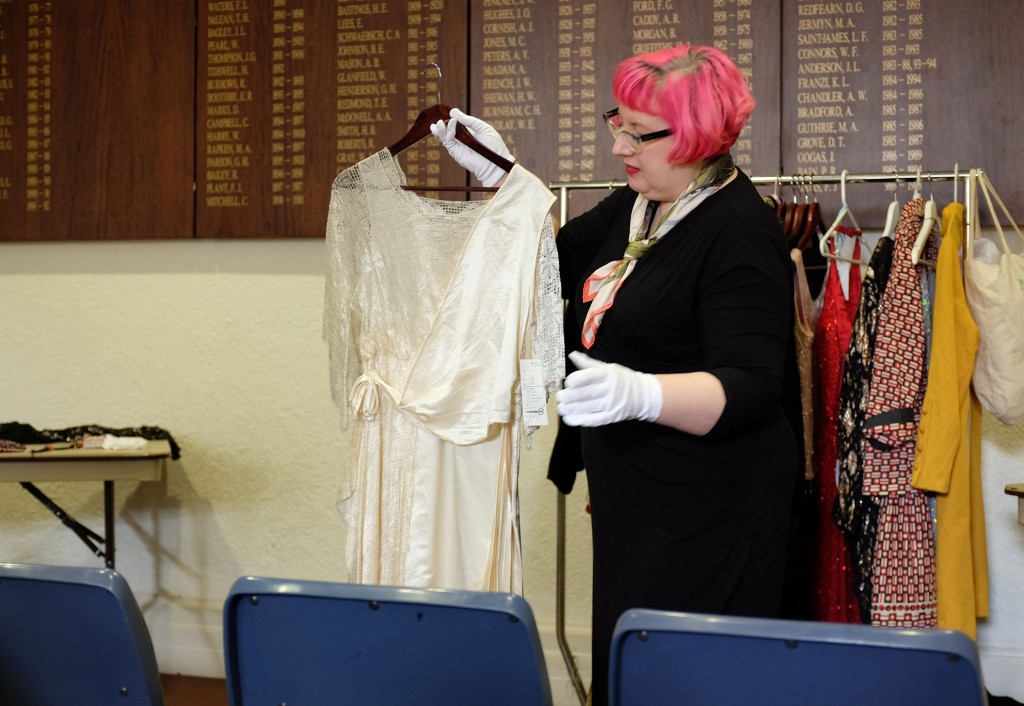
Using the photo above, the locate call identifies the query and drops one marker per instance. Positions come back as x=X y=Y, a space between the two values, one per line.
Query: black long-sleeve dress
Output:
x=682 y=522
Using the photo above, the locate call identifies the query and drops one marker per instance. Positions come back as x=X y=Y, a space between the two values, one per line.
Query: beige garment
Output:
x=429 y=306
x=805 y=320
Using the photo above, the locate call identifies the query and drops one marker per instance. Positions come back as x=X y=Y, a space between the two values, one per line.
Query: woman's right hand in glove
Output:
x=483 y=169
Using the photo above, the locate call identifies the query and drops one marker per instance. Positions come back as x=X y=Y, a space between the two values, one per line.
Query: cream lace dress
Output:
x=429 y=307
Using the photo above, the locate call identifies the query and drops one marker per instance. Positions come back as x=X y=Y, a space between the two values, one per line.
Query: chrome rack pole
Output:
x=860 y=178
x=784 y=179
x=972 y=226
x=563 y=643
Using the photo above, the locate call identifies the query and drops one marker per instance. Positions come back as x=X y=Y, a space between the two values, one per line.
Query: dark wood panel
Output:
x=545 y=70
x=104 y=132
x=291 y=92
x=902 y=86
x=96 y=119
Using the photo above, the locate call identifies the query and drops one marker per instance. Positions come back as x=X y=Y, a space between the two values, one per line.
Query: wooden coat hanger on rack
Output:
x=813 y=223
x=421 y=129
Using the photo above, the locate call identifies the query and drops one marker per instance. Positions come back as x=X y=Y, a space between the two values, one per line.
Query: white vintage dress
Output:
x=429 y=307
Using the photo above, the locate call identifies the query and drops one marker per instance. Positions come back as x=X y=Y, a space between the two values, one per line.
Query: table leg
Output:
x=108 y=511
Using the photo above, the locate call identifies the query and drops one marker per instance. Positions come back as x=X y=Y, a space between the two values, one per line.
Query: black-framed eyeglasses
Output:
x=633 y=141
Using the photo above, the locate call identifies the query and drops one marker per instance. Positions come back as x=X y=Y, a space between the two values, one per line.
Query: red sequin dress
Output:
x=833 y=596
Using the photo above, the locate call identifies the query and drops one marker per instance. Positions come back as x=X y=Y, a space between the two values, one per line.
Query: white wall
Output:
x=219 y=343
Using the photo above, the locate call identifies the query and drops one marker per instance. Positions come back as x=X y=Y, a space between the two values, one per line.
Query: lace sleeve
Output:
x=548 y=341
x=340 y=326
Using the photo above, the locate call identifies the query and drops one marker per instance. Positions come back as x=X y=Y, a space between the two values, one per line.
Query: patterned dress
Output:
x=833 y=598
x=904 y=555
x=856 y=515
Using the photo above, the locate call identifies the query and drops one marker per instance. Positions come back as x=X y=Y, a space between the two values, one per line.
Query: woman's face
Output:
x=649 y=172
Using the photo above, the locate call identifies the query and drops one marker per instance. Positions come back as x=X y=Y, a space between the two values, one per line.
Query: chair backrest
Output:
x=659 y=657
x=312 y=642
x=73 y=635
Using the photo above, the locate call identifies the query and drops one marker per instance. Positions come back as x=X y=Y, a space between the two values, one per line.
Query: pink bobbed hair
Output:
x=697 y=90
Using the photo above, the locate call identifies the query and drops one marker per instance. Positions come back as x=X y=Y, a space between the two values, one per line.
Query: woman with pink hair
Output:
x=680 y=312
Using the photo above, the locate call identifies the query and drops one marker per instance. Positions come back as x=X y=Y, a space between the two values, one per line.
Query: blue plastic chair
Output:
x=312 y=642
x=660 y=657
x=73 y=635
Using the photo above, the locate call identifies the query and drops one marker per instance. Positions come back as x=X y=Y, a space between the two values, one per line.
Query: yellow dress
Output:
x=948 y=458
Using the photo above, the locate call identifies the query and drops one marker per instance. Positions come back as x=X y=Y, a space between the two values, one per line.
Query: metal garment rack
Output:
x=562 y=189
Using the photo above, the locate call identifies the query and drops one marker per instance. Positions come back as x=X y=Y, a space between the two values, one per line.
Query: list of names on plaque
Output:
x=230 y=59
x=288 y=105
x=577 y=80
x=364 y=95
x=423 y=17
x=508 y=99
x=39 y=109
x=732 y=30
x=546 y=74
x=654 y=25
x=6 y=105
x=262 y=103
x=831 y=101
x=904 y=64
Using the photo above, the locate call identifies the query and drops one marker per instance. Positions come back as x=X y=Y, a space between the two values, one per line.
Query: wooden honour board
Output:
x=230 y=119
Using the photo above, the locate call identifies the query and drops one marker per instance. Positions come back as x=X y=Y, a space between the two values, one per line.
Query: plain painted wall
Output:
x=219 y=342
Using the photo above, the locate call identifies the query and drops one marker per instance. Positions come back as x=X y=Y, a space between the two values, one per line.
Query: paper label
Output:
x=531 y=387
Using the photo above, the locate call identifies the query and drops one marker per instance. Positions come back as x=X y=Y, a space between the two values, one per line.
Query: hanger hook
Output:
x=842 y=186
x=438 y=69
x=956 y=179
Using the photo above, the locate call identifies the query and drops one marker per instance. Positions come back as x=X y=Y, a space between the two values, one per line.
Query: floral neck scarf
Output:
x=602 y=286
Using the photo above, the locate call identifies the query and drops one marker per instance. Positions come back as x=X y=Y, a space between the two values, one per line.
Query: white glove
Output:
x=483 y=169
x=603 y=393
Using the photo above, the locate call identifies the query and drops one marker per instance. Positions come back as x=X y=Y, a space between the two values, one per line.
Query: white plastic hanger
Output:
x=989 y=191
x=844 y=212
x=931 y=217
x=891 y=218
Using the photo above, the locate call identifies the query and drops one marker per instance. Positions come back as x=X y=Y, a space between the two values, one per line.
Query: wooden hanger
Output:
x=813 y=223
x=421 y=128
x=794 y=215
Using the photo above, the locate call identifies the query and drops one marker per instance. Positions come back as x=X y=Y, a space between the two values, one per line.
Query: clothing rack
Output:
x=968 y=177
x=562 y=189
